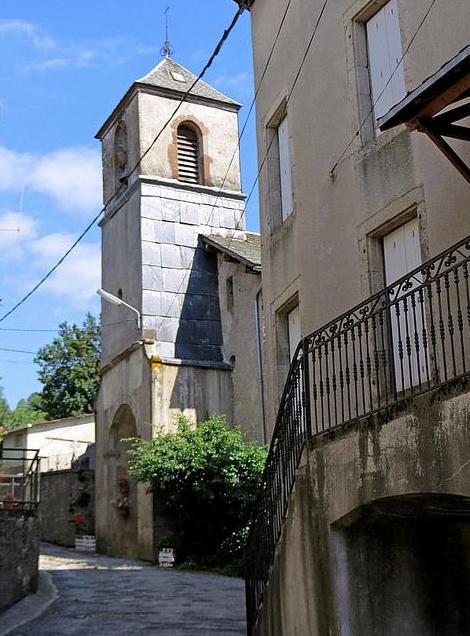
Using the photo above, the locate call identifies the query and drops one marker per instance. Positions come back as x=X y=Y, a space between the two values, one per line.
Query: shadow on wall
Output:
x=121 y=489
x=199 y=335
x=408 y=570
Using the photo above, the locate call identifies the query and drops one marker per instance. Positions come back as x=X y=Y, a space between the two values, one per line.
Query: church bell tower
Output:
x=171 y=175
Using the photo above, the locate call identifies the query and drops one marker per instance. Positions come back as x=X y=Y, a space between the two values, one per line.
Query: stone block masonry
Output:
x=65 y=493
x=19 y=555
x=180 y=283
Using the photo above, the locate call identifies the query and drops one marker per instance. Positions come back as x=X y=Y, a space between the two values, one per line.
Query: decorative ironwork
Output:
x=411 y=337
x=19 y=478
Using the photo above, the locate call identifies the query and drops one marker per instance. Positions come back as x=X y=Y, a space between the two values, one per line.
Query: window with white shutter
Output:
x=285 y=169
x=188 y=154
x=387 y=75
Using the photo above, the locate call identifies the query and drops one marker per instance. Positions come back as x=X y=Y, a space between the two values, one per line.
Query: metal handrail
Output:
x=411 y=337
x=25 y=484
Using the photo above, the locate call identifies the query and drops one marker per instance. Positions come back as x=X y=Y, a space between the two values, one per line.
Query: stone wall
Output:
x=19 y=555
x=65 y=493
x=378 y=530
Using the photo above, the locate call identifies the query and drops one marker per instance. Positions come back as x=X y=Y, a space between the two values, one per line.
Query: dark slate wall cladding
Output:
x=199 y=335
x=19 y=555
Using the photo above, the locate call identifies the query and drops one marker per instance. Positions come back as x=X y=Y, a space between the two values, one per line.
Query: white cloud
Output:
x=78 y=277
x=12 y=243
x=38 y=38
x=71 y=177
x=239 y=82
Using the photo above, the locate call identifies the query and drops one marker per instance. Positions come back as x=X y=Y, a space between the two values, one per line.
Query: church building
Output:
x=182 y=331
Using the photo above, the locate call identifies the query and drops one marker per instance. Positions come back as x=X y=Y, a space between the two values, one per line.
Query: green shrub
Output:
x=208 y=478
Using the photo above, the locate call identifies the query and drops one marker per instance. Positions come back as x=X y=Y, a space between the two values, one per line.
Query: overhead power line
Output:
x=33 y=353
x=209 y=63
x=342 y=156
x=237 y=150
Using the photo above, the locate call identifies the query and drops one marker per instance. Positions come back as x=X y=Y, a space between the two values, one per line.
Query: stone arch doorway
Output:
x=122 y=489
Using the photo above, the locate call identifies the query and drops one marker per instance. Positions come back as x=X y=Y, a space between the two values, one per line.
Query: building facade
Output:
x=362 y=316
x=171 y=180
x=326 y=236
x=59 y=442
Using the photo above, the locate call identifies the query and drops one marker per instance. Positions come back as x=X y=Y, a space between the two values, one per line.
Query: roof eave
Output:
x=256 y=267
x=142 y=86
x=411 y=105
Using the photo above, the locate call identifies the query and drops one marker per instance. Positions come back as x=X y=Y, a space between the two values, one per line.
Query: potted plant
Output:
x=84 y=541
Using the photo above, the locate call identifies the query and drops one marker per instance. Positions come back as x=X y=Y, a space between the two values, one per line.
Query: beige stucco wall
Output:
x=240 y=346
x=126 y=383
x=413 y=468
x=59 y=442
x=325 y=252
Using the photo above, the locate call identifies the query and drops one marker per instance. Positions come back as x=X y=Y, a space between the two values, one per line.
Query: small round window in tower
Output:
x=188 y=154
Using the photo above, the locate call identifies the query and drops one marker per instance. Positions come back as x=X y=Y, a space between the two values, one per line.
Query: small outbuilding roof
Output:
x=439 y=108
x=246 y=251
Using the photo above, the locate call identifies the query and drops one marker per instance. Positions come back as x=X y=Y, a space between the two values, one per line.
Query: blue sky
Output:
x=63 y=67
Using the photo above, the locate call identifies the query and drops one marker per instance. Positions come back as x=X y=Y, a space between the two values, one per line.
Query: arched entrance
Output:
x=122 y=489
x=406 y=569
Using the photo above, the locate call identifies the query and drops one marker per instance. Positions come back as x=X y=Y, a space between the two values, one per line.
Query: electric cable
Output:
x=208 y=64
x=342 y=156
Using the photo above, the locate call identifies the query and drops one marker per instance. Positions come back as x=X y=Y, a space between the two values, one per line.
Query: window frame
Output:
x=191 y=126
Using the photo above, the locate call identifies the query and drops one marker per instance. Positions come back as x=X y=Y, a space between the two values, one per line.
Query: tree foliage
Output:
x=69 y=370
x=29 y=411
x=208 y=478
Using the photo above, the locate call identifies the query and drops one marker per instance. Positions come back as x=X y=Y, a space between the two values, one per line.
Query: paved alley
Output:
x=101 y=595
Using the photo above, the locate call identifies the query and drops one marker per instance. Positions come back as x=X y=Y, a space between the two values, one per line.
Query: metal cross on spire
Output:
x=167 y=49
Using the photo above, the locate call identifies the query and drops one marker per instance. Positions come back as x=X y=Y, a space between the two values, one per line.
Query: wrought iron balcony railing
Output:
x=19 y=479
x=412 y=337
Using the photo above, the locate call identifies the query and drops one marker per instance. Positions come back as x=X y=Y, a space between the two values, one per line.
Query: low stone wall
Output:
x=64 y=494
x=19 y=555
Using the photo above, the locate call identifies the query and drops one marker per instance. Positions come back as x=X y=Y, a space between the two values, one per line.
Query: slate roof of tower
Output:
x=247 y=251
x=165 y=75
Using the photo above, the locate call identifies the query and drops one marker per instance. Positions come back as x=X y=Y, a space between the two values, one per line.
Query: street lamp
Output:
x=118 y=301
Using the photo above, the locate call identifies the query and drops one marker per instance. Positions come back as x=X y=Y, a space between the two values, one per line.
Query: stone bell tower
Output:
x=168 y=179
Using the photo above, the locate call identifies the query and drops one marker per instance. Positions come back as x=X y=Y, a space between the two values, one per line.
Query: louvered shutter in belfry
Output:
x=188 y=155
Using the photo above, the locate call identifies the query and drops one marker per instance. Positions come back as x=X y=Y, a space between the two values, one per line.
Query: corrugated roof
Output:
x=170 y=75
x=247 y=251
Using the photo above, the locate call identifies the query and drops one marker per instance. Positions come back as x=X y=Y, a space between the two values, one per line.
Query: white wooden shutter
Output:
x=285 y=169
x=295 y=333
x=402 y=254
x=395 y=52
x=385 y=52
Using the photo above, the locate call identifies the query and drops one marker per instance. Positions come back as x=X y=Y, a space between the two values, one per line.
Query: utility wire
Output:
x=236 y=150
x=30 y=330
x=342 y=156
x=33 y=353
x=215 y=53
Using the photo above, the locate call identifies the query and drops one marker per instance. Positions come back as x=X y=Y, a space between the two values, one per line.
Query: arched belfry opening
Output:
x=122 y=489
x=189 y=153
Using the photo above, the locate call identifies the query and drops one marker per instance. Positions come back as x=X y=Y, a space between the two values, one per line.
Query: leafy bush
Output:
x=208 y=479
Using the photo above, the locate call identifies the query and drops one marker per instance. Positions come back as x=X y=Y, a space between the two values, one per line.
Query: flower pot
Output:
x=166 y=558
x=85 y=543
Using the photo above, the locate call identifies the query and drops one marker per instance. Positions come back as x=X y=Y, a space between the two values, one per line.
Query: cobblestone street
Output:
x=101 y=595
